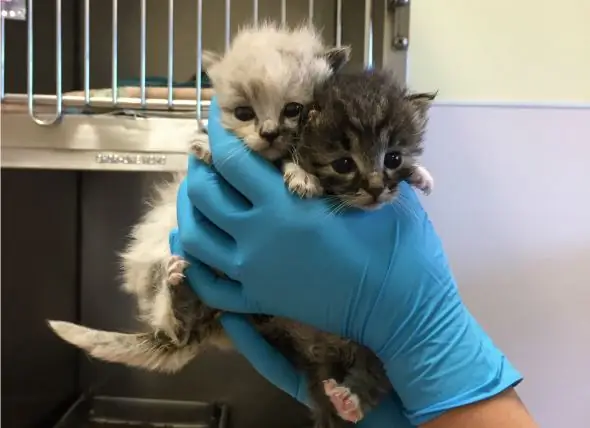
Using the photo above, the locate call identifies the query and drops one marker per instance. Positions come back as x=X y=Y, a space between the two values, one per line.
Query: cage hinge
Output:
x=394 y=4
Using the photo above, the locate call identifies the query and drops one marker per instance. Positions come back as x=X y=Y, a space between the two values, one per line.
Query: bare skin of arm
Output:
x=504 y=410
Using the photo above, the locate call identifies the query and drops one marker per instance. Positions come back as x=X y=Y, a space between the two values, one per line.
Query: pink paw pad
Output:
x=345 y=402
x=176 y=267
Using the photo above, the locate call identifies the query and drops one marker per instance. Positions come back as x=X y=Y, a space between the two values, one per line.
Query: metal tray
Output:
x=123 y=412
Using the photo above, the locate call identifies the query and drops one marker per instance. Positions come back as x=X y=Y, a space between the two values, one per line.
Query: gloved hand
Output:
x=379 y=278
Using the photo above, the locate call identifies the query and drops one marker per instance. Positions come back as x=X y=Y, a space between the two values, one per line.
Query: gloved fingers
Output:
x=249 y=173
x=201 y=239
x=209 y=193
x=269 y=362
x=216 y=291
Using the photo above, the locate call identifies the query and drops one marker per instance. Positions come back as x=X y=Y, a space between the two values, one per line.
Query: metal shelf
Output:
x=97 y=142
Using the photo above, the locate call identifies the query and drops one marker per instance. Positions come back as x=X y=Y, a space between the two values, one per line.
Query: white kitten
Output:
x=261 y=83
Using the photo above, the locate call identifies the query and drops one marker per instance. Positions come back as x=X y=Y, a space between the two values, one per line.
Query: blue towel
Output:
x=162 y=82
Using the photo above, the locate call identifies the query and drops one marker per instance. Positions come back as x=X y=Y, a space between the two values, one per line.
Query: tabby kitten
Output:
x=361 y=138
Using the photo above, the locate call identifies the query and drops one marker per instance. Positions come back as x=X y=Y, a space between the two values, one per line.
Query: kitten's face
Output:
x=265 y=114
x=362 y=137
x=265 y=79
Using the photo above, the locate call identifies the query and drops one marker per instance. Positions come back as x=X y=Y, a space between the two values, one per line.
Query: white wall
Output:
x=512 y=192
x=512 y=204
x=502 y=50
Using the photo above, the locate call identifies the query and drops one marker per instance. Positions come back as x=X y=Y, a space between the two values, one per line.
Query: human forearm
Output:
x=503 y=410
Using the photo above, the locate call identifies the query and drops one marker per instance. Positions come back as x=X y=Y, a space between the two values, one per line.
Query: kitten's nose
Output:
x=269 y=130
x=375 y=192
x=269 y=135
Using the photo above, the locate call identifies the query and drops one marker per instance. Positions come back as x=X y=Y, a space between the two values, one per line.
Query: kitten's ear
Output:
x=209 y=59
x=337 y=57
x=311 y=114
x=421 y=103
x=422 y=100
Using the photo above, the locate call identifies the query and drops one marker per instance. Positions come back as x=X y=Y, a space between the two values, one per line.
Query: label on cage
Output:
x=131 y=158
x=14 y=9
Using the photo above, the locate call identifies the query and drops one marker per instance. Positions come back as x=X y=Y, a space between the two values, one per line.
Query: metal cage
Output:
x=98 y=102
x=77 y=91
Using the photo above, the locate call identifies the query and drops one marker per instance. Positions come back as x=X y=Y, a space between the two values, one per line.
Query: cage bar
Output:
x=227 y=23
x=87 y=52
x=115 y=53
x=143 y=52
x=338 y=22
x=100 y=101
x=199 y=61
x=368 y=36
x=2 y=56
x=170 y=82
x=58 y=68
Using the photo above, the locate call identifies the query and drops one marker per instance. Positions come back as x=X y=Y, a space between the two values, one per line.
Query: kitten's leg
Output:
x=324 y=412
x=300 y=181
x=346 y=404
x=166 y=302
x=364 y=385
x=199 y=147
x=422 y=179
x=176 y=267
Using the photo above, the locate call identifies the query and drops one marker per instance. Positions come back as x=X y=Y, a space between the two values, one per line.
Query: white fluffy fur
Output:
x=130 y=349
x=287 y=64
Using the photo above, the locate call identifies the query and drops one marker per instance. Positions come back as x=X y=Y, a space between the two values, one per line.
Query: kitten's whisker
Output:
x=237 y=151
x=333 y=204
x=343 y=206
x=337 y=207
x=294 y=155
x=332 y=200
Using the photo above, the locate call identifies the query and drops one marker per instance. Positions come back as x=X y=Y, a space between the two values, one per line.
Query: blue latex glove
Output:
x=380 y=278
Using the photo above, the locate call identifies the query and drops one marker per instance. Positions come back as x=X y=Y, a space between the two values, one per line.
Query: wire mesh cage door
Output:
x=114 y=42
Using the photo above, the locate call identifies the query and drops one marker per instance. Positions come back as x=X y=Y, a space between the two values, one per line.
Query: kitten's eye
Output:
x=244 y=113
x=292 y=110
x=344 y=165
x=392 y=160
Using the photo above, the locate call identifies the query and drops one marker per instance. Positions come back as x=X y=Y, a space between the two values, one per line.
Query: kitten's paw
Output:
x=300 y=182
x=422 y=179
x=201 y=149
x=162 y=317
x=175 y=270
x=346 y=404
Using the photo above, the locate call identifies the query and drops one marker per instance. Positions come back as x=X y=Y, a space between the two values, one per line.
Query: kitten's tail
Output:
x=142 y=350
